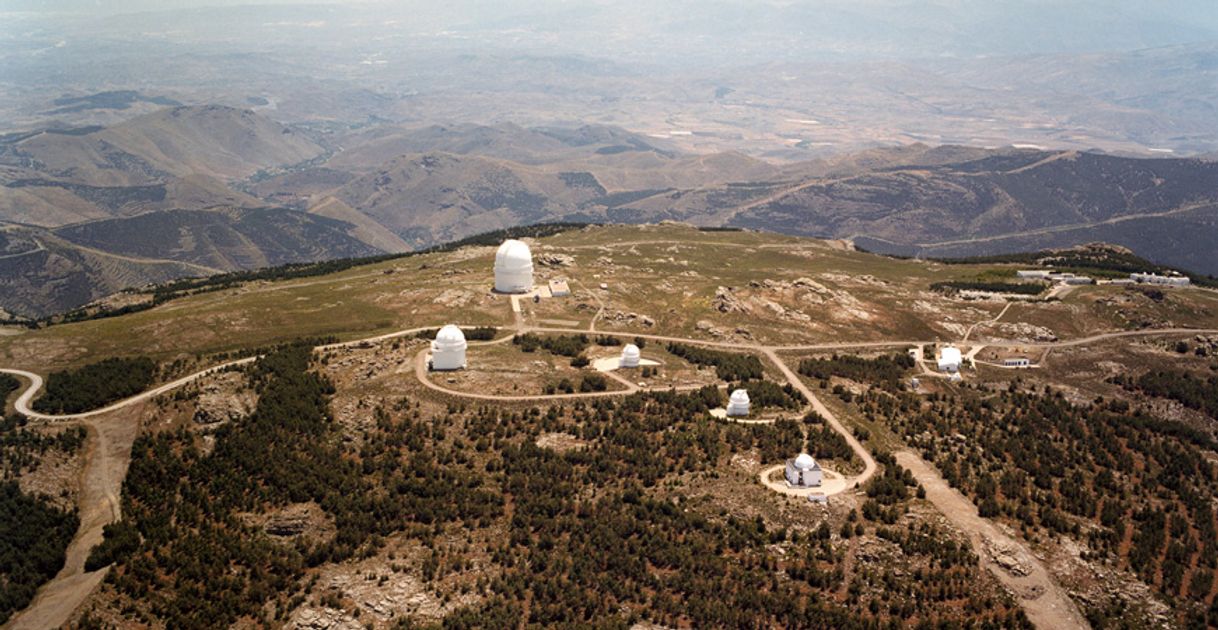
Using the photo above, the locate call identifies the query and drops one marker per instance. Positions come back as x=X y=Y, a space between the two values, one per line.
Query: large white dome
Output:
x=514 y=254
x=740 y=397
x=805 y=462
x=450 y=335
x=513 y=267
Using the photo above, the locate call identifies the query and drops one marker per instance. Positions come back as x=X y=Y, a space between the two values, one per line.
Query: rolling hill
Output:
x=225 y=189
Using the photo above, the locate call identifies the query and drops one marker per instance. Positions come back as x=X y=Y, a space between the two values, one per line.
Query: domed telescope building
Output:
x=738 y=403
x=630 y=356
x=513 y=267
x=448 y=349
x=804 y=472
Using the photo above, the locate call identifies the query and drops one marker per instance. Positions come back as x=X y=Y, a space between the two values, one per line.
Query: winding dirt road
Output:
x=110 y=437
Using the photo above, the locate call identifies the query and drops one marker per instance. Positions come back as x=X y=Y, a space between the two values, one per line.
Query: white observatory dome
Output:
x=513 y=267
x=805 y=462
x=630 y=356
x=738 y=403
x=448 y=349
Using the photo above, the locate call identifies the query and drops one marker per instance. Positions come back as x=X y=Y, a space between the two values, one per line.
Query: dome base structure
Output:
x=738 y=403
x=448 y=350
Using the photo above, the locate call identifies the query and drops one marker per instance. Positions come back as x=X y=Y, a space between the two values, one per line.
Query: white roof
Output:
x=450 y=334
x=513 y=255
x=630 y=351
x=805 y=462
x=949 y=355
x=739 y=396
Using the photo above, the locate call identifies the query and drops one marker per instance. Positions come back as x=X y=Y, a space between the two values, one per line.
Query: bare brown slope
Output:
x=220 y=142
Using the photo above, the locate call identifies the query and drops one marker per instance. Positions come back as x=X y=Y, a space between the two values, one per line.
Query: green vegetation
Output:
x=565 y=345
x=1019 y=288
x=95 y=385
x=886 y=372
x=1191 y=391
x=1134 y=488
x=185 y=506
x=768 y=394
x=22 y=450
x=729 y=366
x=33 y=538
x=481 y=333
x=8 y=385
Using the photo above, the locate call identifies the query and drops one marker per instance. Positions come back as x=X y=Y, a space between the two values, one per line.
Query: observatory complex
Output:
x=513 y=267
x=448 y=349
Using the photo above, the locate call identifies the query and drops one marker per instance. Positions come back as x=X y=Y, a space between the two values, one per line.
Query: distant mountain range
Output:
x=196 y=190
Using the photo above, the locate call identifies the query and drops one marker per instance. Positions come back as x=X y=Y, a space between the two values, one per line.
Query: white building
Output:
x=1154 y=278
x=630 y=356
x=804 y=472
x=1033 y=273
x=738 y=403
x=559 y=288
x=513 y=268
x=949 y=359
x=448 y=349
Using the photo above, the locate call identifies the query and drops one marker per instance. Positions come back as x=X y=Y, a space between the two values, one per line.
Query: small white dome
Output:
x=450 y=335
x=740 y=397
x=513 y=255
x=805 y=462
x=631 y=351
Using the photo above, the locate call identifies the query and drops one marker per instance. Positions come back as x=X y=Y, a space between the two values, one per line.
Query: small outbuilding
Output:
x=950 y=359
x=513 y=267
x=630 y=356
x=804 y=472
x=738 y=403
x=448 y=349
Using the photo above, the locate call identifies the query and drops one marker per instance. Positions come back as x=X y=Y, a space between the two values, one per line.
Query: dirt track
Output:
x=107 y=454
x=1043 y=600
x=111 y=435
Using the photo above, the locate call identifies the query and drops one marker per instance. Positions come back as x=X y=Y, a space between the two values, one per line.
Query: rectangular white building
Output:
x=950 y=359
x=1154 y=278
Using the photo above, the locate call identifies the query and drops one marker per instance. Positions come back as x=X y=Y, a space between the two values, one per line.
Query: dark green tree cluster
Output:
x=8 y=385
x=184 y=507
x=1134 y=487
x=729 y=366
x=1194 y=392
x=481 y=333
x=96 y=385
x=768 y=394
x=22 y=449
x=886 y=372
x=564 y=345
x=34 y=536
